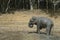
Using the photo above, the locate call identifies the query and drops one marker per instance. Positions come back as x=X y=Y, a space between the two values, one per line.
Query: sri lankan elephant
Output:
x=41 y=22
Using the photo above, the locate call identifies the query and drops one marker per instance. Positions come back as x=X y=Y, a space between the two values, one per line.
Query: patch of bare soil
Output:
x=15 y=26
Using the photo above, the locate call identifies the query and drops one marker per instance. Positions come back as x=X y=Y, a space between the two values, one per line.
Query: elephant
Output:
x=41 y=22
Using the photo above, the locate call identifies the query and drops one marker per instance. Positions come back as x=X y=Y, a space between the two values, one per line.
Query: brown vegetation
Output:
x=15 y=26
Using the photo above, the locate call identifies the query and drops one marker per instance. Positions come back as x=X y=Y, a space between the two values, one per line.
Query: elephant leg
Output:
x=48 y=30
x=38 y=29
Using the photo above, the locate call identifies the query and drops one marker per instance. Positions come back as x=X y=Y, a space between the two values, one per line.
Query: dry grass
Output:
x=15 y=26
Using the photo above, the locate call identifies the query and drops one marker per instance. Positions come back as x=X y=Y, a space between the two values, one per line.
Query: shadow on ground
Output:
x=26 y=36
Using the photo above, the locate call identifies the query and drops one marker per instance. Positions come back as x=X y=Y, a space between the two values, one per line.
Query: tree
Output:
x=31 y=5
x=7 y=6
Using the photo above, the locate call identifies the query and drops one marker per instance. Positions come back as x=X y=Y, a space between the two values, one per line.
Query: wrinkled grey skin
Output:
x=41 y=22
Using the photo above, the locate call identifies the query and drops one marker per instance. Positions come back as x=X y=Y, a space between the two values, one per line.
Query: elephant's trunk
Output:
x=30 y=25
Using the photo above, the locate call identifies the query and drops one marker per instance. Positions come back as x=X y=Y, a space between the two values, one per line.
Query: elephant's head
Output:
x=32 y=21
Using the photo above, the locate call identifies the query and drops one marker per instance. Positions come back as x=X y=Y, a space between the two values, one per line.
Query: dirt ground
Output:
x=15 y=26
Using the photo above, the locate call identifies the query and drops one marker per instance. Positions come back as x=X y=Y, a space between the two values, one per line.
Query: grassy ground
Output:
x=15 y=26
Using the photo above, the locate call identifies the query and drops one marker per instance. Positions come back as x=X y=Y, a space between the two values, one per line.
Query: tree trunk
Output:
x=31 y=5
x=7 y=6
x=38 y=4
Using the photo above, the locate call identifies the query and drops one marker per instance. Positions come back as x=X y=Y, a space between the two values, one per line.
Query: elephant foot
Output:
x=38 y=32
x=48 y=34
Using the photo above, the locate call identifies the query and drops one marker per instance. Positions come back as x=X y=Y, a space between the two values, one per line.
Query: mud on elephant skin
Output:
x=41 y=22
